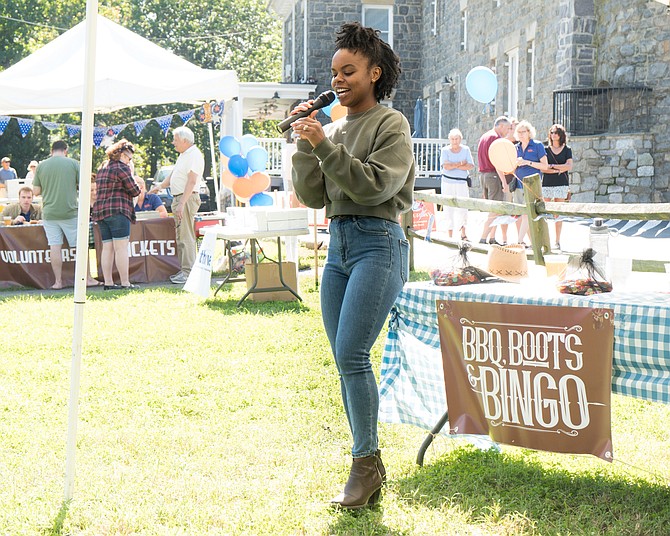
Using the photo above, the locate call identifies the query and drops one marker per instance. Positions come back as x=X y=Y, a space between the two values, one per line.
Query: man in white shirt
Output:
x=184 y=182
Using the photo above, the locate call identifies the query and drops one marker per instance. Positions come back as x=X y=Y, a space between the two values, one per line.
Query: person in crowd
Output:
x=31 y=170
x=183 y=180
x=361 y=168
x=146 y=201
x=555 y=180
x=509 y=177
x=24 y=211
x=532 y=159
x=456 y=162
x=114 y=212
x=57 y=180
x=7 y=173
x=494 y=185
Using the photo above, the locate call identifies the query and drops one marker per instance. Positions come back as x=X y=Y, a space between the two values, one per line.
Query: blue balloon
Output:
x=229 y=146
x=257 y=157
x=481 y=84
x=261 y=200
x=248 y=141
x=238 y=165
x=326 y=109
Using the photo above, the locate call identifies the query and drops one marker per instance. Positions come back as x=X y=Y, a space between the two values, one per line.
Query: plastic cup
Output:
x=556 y=265
x=619 y=270
x=7 y=220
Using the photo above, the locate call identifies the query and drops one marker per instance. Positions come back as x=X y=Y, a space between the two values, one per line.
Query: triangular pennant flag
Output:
x=139 y=125
x=72 y=130
x=50 y=125
x=98 y=134
x=164 y=122
x=117 y=128
x=25 y=125
x=185 y=116
x=4 y=121
x=217 y=108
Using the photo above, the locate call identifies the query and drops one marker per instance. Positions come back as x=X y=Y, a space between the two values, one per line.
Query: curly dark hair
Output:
x=357 y=38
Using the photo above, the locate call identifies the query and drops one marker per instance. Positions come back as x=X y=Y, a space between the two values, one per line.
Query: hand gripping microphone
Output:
x=321 y=101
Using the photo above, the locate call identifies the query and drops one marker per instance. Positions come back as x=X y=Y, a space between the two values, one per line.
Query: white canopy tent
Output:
x=129 y=71
x=73 y=74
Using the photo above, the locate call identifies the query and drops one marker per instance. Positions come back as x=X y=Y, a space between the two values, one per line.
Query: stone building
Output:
x=602 y=68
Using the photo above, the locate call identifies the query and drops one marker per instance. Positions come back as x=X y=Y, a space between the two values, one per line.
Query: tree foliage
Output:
x=224 y=34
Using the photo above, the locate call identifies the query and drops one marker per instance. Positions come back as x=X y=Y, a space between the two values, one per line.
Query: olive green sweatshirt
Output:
x=364 y=167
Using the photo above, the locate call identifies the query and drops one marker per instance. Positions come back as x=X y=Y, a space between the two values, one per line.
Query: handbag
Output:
x=511 y=182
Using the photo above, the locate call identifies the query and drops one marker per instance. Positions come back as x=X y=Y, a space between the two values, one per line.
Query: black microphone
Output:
x=321 y=101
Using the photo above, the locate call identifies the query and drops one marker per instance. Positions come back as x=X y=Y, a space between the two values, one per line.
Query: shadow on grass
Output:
x=489 y=485
x=367 y=521
x=57 y=528
x=228 y=305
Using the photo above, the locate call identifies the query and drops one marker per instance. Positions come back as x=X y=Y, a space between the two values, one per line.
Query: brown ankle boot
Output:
x=364 y=485
x=380 y=466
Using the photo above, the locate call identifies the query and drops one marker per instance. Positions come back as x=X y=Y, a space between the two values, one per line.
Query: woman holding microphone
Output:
x=361 y=169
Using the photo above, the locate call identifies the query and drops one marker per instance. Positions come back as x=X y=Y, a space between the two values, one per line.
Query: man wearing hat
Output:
x=7 y=173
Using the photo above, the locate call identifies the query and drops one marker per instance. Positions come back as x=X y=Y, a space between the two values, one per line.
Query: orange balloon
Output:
x=227 y=178
x=337 y=112
x=502 y=155
x=244 y=189
x=261 y=181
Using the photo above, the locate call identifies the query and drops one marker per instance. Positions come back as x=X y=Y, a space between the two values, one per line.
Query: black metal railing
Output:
x=603 y=109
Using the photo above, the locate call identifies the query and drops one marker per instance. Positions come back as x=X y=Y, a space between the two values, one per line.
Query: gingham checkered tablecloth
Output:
x=412 y=381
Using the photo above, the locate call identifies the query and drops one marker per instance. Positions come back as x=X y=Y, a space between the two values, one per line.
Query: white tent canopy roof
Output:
x=129 y=71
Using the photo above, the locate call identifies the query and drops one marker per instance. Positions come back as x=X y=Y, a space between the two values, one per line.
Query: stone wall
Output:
x=614 y=169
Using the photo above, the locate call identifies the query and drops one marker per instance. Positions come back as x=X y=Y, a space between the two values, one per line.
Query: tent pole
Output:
x=210 y=127
x=81 y=263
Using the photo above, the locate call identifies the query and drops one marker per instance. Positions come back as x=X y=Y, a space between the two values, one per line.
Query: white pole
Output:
x=210 y=127
x=81 y=263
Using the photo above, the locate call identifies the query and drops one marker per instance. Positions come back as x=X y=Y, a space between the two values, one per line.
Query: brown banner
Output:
x=25 y=258
x=152 y=251
x=530 y=376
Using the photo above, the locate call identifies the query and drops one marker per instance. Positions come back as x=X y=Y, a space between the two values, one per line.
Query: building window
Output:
x=434 y=28
x=530 y=70
x=496 y=3
x=464 y=29
x=493 y=65
x=513 y=82
x=380 y=18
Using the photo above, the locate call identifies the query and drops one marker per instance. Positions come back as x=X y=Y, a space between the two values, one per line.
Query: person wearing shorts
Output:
x=494 y=184
x=56 y=179
x=114 y=211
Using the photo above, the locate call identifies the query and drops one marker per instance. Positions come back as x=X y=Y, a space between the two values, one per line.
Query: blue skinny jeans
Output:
x=366 y=268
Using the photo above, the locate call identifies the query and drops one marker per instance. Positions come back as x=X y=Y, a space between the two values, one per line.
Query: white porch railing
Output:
x=426 y=155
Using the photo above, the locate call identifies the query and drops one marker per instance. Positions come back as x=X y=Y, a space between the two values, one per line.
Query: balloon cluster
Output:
x=244 y=163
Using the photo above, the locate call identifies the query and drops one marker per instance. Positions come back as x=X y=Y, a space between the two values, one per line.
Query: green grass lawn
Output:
x=201 y=418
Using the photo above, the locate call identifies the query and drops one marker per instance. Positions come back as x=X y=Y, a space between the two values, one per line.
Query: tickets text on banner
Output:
x=530 y=376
